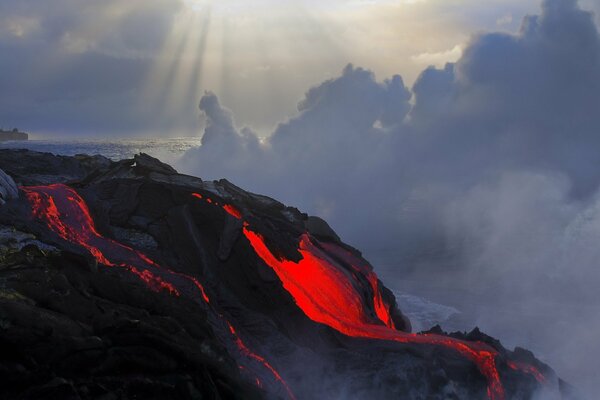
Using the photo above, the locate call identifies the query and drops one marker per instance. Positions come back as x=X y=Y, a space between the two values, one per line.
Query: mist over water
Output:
x=477 y=188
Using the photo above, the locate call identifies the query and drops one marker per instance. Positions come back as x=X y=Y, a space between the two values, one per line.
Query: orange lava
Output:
x=66 y=214
x=231 y=210
x=528 y=369
x=331 y=295
x=328 y=294
x=361 y=267
x=246 y=351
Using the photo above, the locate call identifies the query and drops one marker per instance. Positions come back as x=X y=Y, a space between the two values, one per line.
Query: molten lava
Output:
x=65 y=213
x=327 y=294
x=527 y=369
x=330 y=295
x=361 y=267
x=322 y=288
x=231 y=210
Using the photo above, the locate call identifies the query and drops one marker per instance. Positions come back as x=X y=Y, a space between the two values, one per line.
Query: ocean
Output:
x=167 y=150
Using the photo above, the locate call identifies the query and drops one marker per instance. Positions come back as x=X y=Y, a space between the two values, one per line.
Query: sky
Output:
x=122 y=68
x=455 y=142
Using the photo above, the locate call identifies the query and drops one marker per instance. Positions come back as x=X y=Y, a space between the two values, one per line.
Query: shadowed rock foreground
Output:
x=123 y=280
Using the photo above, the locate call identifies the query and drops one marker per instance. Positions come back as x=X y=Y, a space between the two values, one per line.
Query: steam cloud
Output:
x=483 y=177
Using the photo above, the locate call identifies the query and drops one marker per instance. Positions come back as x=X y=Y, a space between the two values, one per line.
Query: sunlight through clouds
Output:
x=258 y=56
x=438 y=59
x=266 y=40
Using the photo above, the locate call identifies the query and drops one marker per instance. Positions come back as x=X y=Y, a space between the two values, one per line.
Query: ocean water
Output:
x=167 y=150
x=424 y=313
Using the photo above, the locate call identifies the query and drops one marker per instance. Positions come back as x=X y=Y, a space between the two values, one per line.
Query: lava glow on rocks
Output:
x=65 y=213
x=328 y=294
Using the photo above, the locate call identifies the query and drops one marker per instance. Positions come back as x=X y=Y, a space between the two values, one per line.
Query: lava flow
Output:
x=327 y=294
x=528 y=369
x=360 y=267
x=65 y=213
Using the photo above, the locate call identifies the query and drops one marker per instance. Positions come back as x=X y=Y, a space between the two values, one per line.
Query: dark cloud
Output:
x=72 y=66
x=524 y=99
x=487 y=185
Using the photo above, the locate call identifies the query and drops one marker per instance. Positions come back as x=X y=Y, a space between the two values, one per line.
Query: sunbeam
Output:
x=188 y=73
x=263 y=40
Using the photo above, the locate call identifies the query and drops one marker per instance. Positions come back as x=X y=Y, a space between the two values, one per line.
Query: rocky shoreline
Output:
x=123 y=280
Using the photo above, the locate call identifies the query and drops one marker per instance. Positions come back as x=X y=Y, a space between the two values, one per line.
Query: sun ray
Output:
x=232 y=45
x=199 y=51
x=161 y=73
x=172 y=87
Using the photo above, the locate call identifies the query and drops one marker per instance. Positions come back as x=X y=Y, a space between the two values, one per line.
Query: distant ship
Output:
x=15 y=134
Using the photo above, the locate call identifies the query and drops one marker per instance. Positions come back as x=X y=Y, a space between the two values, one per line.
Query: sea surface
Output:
x=166 y=150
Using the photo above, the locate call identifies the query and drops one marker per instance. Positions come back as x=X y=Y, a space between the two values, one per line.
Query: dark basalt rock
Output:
x=149 y=164
x=321 y=229
x=71 y=327
x=8 y=188
x=33 y=168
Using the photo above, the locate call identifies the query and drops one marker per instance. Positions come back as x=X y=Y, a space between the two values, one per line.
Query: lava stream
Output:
x=65 y=213
x=361 y=267
x=527 y=369
x=326 y=295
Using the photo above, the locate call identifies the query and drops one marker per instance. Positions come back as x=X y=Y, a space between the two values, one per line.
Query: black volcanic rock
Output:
x=161 y=294
x=8 y=188
x=33 y=168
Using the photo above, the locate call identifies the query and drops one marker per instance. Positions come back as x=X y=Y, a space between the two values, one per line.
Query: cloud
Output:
x=338 y=120
x=484 y=176
x=506 y=19
x=438 y=58
x=76 y=66
x=527 y=99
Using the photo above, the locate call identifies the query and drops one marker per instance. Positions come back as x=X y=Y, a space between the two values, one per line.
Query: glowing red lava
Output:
x=231 y=210
x=527 y=369
x=248 y=353
x=327 y=294
x=362 y=268
x=65 y=213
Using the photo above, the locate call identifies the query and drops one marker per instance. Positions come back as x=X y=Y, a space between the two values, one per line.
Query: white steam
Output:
x=483 y=178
